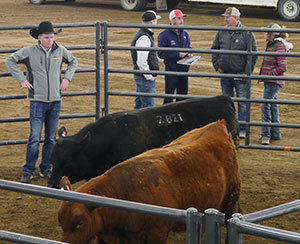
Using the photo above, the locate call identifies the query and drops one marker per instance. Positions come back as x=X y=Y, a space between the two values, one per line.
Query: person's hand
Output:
x=26 y=84
x=220 y=70
x=153 y=78
x=64 y=84
x=182 y=55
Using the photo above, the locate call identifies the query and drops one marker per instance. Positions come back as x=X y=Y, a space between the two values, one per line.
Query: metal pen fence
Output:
x=102 y=44
x=237 y=226
x=96 y=46
x=191 y=217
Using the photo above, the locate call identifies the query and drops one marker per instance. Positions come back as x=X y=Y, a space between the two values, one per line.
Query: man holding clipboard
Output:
x=175 y=38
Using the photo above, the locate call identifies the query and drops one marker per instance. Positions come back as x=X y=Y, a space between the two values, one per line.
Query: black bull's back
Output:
x=119 y=136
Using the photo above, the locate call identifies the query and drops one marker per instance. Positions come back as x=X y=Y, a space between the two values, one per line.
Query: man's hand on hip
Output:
x=64 y=84
x=26 y=84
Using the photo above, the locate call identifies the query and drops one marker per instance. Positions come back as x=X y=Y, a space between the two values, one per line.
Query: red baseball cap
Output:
x=176 y=13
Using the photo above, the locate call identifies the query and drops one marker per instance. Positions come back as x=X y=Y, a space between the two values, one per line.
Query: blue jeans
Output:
x=41 y=112
x=270 y=112
x=229 y=86
x=146 y=86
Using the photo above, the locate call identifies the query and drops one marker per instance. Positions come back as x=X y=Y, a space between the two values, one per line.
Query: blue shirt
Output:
x=175 y=39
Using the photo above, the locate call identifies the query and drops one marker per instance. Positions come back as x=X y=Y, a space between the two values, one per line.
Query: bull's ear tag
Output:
x=62 y=132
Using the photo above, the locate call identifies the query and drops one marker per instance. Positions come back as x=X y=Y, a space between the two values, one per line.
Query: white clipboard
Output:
x=188 y=61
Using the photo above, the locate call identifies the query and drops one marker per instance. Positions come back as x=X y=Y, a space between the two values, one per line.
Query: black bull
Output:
x=119 y=136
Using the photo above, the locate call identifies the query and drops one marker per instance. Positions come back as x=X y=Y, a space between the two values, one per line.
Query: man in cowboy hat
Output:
x=44 y=85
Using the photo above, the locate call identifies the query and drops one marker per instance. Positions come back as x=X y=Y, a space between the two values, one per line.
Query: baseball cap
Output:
x=176 y=13
x=150 y=15
x=231 y=11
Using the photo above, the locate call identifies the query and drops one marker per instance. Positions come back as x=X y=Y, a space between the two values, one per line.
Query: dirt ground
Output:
x=269 y=178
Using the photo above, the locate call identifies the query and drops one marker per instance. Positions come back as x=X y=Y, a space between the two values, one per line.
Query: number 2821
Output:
x=169 y=119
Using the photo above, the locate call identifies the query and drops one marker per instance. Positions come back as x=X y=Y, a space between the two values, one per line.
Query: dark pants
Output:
x=178 y=83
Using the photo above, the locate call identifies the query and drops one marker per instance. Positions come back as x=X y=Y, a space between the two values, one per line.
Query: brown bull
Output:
x=199 y=169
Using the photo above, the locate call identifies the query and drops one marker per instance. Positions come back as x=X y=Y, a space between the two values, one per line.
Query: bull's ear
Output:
x=65 y=184
x=84 y=141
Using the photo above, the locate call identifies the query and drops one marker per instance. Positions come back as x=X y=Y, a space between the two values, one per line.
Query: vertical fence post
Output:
x=213 y=222
x=248 y=73
x=105 y=50
x=194 y=221
x=233 y=235
x=98 y=50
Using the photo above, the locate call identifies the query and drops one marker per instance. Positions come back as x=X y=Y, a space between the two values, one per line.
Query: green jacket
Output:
x=43 y=72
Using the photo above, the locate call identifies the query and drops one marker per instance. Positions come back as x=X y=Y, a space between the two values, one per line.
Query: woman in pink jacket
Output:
x=273 y=66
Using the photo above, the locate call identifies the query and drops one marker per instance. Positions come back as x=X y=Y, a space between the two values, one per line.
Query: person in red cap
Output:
x=175 y=38
x=44 y=85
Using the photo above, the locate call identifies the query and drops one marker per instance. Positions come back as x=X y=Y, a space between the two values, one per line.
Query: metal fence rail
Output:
x=244 y=224
x=273 y=212
x=236 y=228
x=24 y=239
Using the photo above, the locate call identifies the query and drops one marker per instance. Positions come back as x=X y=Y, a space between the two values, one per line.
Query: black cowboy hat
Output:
x=45 y=27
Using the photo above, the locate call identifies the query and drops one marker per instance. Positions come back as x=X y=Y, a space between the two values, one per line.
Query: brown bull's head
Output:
x=80 y=223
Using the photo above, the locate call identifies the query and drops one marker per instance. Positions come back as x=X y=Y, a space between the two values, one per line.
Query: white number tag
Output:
x=166 y=119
